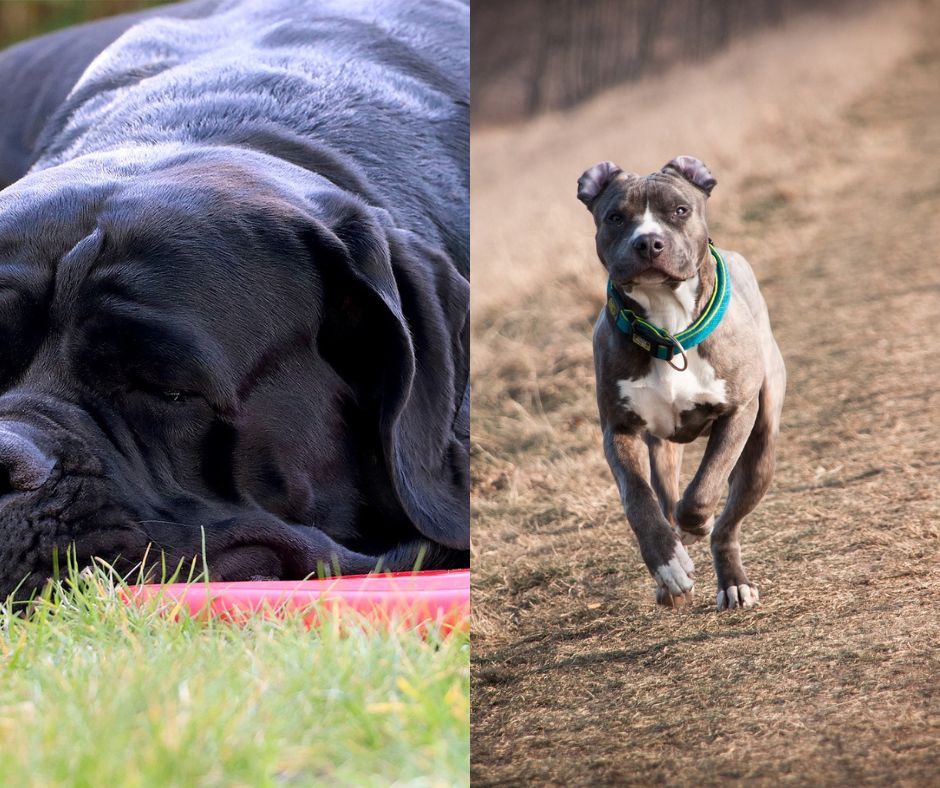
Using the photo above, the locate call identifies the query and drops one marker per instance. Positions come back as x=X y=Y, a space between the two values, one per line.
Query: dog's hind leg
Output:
x=665 y=462
x=748 y=483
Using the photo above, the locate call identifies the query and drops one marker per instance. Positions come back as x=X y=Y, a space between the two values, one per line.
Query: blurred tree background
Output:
x=535 y=55
x=21 y=19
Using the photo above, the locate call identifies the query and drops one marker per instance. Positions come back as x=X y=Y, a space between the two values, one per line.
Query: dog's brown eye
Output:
x=682 y=210
x=615 y=218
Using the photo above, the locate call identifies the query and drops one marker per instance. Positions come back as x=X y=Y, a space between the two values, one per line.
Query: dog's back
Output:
x=363 y=93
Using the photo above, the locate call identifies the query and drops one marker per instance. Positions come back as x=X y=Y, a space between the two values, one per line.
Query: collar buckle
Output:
x=685 y=358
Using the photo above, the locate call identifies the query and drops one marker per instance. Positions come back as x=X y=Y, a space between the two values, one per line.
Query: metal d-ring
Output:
x=685 y=358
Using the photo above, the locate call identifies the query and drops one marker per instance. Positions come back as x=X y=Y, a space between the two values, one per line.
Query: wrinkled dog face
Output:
x=650 y=229
x=161 y=373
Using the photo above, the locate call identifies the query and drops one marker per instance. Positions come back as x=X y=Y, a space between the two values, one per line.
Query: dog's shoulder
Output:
x=745 y=287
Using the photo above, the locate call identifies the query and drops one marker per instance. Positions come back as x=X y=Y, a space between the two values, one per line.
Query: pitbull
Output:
x=666 y=282
x=234 y=290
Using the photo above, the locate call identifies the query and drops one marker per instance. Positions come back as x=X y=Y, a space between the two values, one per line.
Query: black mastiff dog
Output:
x=234 y=289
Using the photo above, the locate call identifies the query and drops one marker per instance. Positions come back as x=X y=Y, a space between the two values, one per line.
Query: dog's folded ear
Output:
x=397 y=327
x=694 y=171
x=595 y=180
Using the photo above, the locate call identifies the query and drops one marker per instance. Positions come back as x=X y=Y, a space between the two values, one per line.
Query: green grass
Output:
x=95 y=692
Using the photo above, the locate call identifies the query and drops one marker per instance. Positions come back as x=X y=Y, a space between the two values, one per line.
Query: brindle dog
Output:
x=652 y=238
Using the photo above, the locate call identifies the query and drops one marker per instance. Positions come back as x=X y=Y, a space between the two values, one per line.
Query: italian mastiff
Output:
x=234 y=290
x=683 y=348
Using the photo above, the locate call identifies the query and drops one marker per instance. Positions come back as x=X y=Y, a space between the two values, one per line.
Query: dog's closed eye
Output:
x=174 y=396
x=171 y=395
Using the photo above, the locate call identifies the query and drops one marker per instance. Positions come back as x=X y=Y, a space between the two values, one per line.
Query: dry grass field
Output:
x=825 y=139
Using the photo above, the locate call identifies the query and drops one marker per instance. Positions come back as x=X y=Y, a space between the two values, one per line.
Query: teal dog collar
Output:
x=661 y=344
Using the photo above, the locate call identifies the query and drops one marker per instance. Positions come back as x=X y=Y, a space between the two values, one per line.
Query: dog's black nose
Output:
x=649 y=245
x=23 y=465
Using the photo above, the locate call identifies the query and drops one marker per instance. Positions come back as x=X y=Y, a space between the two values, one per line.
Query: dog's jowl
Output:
x=682 y=349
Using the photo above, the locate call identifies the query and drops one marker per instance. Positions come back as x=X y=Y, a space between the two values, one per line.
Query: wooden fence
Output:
x=533 y=55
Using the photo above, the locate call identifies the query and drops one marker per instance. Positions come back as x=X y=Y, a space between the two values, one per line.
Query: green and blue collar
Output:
x=660 y=343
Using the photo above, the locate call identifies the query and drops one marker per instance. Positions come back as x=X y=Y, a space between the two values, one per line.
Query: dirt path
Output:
x=578 y=677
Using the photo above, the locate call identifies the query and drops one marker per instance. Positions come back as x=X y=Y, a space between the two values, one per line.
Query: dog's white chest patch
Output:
x=664 y=394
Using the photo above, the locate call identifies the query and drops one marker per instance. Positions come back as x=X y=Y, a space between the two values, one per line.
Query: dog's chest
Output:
x=665 y=396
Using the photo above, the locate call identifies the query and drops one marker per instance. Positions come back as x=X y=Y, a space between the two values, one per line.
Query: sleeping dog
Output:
x=683 y=348
x=234 y=264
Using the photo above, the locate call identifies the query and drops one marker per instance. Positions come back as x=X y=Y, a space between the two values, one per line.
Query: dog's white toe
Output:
x=744 y=596
x=666 y=599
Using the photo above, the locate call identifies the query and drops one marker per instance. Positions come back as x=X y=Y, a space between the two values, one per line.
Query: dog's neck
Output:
x=674 y=307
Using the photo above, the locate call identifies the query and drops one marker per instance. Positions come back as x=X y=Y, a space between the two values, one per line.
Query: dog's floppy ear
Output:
x=694 y=171
x=595 y=180
x=397 y=325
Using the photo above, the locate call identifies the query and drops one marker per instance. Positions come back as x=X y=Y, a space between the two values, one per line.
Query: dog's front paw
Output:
x=675 y=578
x=744 y=595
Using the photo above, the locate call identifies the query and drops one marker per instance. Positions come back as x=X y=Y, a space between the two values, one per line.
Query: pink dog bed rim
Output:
x=413 y=598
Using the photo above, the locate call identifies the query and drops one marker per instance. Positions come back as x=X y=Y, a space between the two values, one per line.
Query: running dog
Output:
x=683 y=348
